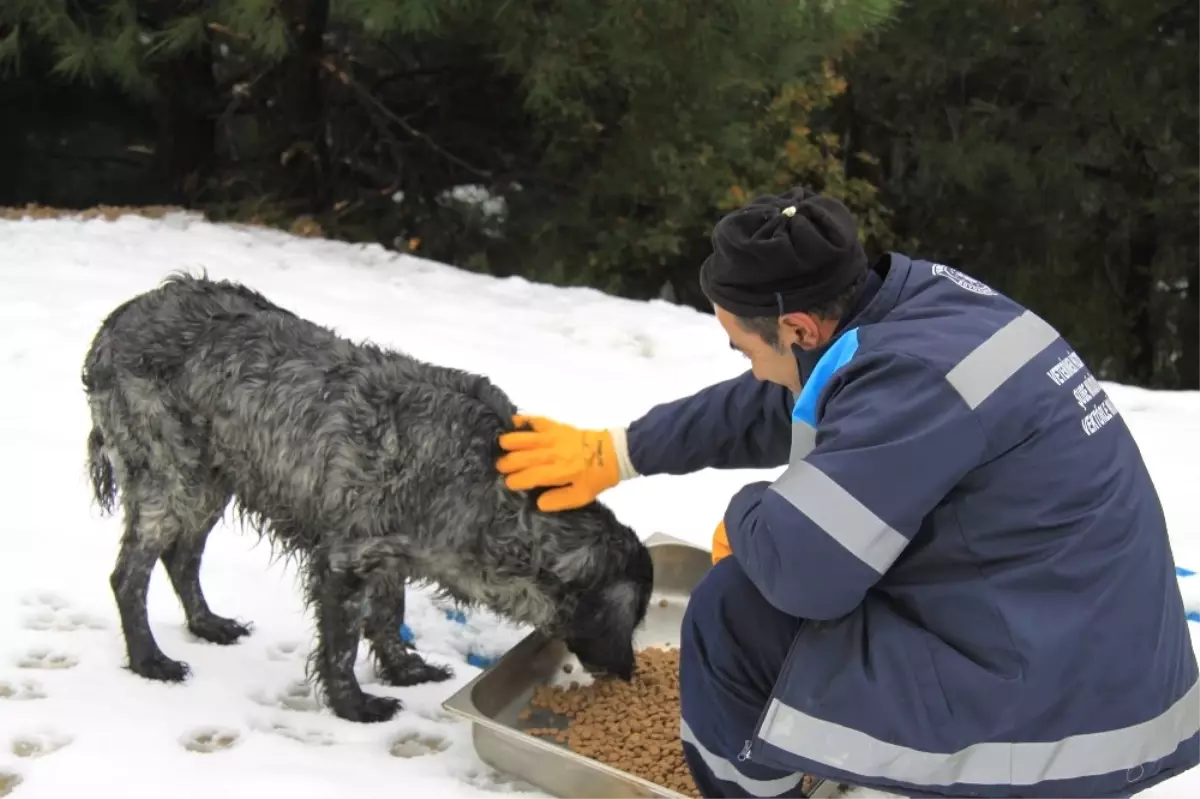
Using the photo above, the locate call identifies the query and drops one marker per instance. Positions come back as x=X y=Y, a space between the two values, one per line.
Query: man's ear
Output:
x=800 y=329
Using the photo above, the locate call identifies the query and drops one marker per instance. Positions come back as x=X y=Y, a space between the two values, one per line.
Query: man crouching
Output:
x=961 y=585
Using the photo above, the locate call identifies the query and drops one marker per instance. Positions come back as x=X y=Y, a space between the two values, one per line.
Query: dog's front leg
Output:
x=396 y=662
x=339 y=596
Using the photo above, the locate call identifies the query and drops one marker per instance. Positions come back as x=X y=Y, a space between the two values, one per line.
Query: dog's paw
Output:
x=369 y=709
x=285 y=650
x=210 y=739
x=417 y=744
x=161 y=668
x=44 y=657
x=297 y=695
x=219 y=630
x=23 y=691
x=412 y=670
x=47 y=610
x=9 y=780
x=38 y=744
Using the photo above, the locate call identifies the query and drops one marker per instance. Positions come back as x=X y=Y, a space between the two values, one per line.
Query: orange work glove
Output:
x=579 y=464
x=720 y=544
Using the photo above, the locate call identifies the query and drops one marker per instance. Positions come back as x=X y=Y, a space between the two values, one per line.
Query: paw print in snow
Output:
x=8 y=781
x=436 y=714
x=297 y=695
x=642 y=345
x=48 y=611
x=24 y=691
x=210 y=739
x=38 y=744
x=487 y=779
x=310 y=735
x=285 y=650
x=417 y=744
x=47 y=658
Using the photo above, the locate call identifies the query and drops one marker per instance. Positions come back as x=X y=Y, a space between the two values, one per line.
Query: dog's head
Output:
x=601 y=631
x=606 y=579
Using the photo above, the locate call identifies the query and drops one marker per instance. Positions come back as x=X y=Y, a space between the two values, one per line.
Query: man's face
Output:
x=772 y=364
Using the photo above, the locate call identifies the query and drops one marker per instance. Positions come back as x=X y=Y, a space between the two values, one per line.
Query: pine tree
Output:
x=1050 y=149
x=652 y=119
x=615 y=133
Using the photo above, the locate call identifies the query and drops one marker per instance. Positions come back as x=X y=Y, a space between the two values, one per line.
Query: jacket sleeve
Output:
x=741 y=423
x=894 y=438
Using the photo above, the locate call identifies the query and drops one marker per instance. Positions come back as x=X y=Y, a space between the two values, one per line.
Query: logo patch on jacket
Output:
x=968 y=283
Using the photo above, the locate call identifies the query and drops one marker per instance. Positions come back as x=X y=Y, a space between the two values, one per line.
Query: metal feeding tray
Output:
x=494 y=699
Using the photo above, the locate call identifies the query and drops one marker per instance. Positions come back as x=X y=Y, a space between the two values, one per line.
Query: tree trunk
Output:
x=1138 y=298
x=186 y=123
x=1189 y=333
x=308 y=161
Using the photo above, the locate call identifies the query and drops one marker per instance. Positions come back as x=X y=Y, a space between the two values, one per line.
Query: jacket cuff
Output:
x=621 y=448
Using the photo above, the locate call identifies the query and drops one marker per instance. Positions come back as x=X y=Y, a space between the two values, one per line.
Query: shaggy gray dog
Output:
x=367 y=466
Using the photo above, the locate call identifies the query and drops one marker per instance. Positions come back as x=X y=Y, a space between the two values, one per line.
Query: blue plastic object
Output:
x=458 y=617
x=1182 y=572
x=483 y=662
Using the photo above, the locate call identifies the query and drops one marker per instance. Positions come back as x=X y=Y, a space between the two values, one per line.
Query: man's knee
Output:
x=731 y=629
x=734 y=646
x=725 y=589
x=726 y=601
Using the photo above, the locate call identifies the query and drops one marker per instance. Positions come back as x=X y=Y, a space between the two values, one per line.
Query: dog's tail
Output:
x=104 y=481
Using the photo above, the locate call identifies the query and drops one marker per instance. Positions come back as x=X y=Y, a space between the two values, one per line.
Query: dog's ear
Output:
x=577 y=565
x=620 y=602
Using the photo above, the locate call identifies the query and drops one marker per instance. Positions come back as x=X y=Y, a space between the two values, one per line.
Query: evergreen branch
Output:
x=10 y=52
x=217 y=27
x=366 y=95
x=72 y=155
x=179 y=35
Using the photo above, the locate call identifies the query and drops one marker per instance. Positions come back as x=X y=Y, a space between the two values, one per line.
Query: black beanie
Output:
x=783 y=253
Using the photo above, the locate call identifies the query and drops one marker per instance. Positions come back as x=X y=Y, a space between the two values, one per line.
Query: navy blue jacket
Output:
x=968 y=526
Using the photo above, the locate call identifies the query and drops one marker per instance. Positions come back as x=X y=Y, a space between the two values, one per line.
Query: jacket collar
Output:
x=879 y=296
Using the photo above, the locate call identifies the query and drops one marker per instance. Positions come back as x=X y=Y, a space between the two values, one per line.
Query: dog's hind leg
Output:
x=396 y=662
x=201 y=510
x=150 y=528
x=339 y=597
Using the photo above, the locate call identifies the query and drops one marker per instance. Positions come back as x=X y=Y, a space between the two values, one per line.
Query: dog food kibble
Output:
x=662 y=603
x=631 y=726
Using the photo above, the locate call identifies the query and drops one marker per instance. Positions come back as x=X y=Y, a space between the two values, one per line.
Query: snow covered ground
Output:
x=74 y=723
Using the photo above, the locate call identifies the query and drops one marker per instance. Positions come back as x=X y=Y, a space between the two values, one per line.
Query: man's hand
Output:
x=578 y=463
x=720 y=544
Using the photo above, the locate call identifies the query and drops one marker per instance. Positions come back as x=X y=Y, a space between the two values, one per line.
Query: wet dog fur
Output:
x=368 y=467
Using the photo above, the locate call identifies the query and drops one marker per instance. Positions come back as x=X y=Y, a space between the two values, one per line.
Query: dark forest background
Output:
x=1049 y=148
